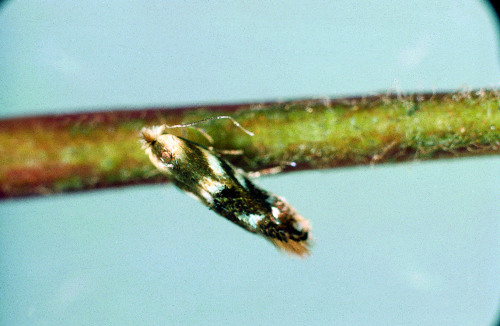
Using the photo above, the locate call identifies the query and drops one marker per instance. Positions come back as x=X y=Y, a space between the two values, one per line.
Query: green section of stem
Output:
x=44 y=155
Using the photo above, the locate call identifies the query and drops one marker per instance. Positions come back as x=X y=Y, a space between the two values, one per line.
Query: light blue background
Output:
x=409 y=244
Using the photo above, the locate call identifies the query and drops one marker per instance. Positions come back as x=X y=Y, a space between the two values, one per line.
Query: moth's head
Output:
x=162 y=148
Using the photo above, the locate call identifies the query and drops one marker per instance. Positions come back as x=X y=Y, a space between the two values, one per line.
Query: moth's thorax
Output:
x=169 y=147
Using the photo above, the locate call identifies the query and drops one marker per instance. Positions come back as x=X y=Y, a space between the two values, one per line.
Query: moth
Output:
x=202 y=173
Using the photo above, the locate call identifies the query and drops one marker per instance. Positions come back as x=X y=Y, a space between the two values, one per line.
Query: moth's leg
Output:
x=219 y=151
x=228 y=151
x=152 y=173
x=273 y=170
x=201 y=131
x=205 y=134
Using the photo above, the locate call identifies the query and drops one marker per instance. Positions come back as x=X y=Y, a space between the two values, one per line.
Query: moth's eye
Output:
x=166 y=158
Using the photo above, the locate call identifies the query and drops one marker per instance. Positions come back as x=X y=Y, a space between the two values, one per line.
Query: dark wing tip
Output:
x=292 y=235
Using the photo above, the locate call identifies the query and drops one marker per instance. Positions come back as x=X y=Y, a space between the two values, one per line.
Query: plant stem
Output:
x=63 y=153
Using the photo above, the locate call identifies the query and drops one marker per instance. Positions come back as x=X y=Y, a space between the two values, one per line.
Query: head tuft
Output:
x=149 y=135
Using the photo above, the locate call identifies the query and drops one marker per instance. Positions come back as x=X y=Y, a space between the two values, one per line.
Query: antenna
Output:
x=212 y=118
